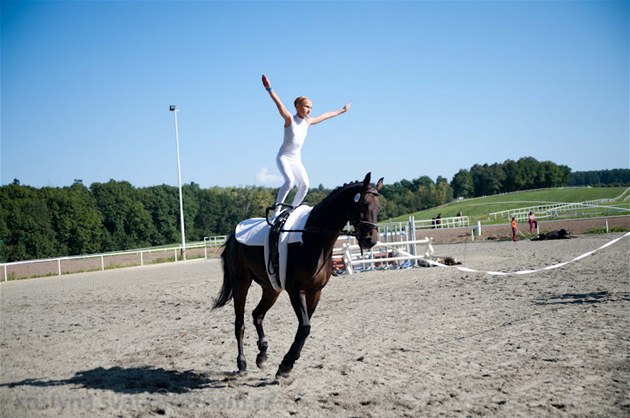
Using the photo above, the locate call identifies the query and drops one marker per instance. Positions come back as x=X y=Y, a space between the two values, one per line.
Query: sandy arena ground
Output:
x=420 y=342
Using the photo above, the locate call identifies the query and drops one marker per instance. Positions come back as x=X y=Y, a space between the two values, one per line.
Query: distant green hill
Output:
x=478 y=209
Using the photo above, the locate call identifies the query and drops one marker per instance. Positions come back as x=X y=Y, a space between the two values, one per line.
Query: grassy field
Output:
x=478 y=209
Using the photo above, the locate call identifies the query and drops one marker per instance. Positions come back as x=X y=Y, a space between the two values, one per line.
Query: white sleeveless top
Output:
x=294 y=136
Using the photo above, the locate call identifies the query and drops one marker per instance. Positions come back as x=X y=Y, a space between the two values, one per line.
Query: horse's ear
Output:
x=366 y=180
x=379 y=184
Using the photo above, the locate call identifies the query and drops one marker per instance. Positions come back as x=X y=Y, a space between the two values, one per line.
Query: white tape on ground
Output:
x=522 y=272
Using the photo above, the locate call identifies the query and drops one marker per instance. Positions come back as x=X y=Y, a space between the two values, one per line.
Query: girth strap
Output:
x=273 y=264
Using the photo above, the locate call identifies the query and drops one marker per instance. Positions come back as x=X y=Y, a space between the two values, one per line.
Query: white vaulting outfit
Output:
x=289 y=161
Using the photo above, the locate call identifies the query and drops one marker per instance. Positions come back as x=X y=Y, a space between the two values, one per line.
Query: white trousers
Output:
x=294 y=173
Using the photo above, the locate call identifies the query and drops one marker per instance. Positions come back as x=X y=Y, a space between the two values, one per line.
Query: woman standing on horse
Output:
x=289 y=158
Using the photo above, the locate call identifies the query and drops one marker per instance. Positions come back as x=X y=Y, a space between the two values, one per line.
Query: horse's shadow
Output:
x=134 y=380
x=583 y=298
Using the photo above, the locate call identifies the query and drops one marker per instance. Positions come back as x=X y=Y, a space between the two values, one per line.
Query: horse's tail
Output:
x=228 y=258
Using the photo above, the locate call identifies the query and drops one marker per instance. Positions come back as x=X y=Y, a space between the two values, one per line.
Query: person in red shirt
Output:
x=514 y=229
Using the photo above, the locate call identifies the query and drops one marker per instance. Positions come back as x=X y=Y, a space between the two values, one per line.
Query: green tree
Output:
x=443 y=191
x=127 y=223
x=4 y=230
x=191 y=194
x=162 y=202
x=614 y=177
x=212 y=209
x=485 y=180
x=75 y=219
x=512 y=181
x=425 y=188
x=527 y=173
x=28 y=224
x=462 y=184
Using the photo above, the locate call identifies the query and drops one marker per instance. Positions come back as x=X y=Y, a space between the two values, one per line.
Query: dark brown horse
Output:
x=309 y=266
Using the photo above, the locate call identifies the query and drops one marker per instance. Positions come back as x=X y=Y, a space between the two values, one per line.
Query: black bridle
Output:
x=357 y=222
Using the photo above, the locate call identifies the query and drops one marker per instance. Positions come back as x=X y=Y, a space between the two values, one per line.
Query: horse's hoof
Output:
x=242 y=366
x=261 y=359
x=283 y=371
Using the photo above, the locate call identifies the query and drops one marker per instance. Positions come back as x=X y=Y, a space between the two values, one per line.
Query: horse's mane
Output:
x=336 y=191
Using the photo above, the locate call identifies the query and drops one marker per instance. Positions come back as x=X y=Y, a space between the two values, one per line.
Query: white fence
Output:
x=396 y=237
x=556 y=210
x=81 y=263
x=437 y=223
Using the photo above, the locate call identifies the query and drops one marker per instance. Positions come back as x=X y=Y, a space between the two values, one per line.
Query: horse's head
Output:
x=364 y=211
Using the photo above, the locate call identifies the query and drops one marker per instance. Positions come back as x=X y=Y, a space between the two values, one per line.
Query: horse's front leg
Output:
x=299 y=303
x=267 y=300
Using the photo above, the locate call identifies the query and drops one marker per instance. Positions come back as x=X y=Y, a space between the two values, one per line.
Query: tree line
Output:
x=616 y=177
x=52 y=222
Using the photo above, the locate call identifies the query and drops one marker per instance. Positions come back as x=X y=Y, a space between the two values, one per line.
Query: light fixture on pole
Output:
x=174 y=109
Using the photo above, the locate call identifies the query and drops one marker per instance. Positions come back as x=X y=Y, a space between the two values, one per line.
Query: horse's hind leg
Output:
x=267 y=300
x=240 y=297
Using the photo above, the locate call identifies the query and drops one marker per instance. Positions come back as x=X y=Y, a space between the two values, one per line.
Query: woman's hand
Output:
x=265 y=82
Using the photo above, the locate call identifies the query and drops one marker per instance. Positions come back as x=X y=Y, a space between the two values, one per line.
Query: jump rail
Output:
x=405 y=251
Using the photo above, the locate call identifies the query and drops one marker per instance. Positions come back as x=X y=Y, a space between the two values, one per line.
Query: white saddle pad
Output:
x=255 y=232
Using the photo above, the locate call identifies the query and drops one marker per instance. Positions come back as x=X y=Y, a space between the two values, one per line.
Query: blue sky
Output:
x=435 y=86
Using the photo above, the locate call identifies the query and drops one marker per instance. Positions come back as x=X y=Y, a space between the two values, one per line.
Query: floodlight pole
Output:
x=179 y=181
